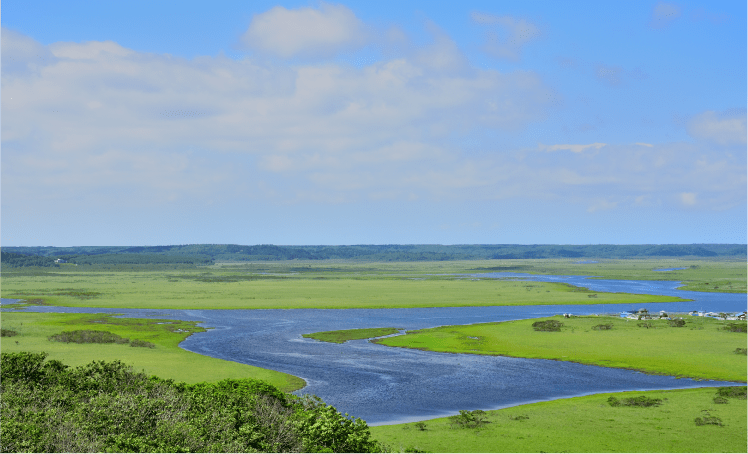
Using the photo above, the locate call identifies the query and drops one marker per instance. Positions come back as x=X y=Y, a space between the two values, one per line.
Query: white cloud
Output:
x=392 y=120
x=723 y=128
x=102 y=127
x=573 y=148
x=305 y=32
x=688 y=198
x=507 y=35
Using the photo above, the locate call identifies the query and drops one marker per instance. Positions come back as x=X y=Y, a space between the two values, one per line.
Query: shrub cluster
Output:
x=87 y=336
x=465 y=419
x=604 y=327
x=640 y=401
x=736 y=392
x=47 y=406
x=547 y=325
x=736 y=327
x=676 y=323
x=741 y=351
x=7 y=332
x=707 y=419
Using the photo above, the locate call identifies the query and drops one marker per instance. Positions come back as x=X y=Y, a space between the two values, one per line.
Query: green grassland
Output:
x=166 y=360
x=700 y=349
x=706 y=275
x=219 y=288
x=587 y=424
x=341 y=336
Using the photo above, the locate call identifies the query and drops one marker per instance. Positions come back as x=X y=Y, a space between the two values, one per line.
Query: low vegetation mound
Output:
x=736 y=327
x=7 y=332
x=679 y=323
x=603 y=327
x=735 y=392
x=468 y=419
x=345 y=335
x=87 y=336
x=107 y=407
x=547 y=325
x=639 y=401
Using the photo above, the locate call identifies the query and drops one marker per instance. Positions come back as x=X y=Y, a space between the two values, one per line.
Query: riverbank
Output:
x=166 y=359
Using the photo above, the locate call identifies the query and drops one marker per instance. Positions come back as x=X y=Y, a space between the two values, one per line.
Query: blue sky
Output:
x=580 y=122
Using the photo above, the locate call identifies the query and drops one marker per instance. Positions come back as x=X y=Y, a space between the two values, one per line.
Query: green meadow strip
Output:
x=345 y=335
x=702 y=348
x=588 y=424
x=218 y=289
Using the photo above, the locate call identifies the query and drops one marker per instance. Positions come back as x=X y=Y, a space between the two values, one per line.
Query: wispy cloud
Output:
x=506 y=35
x=664 y=14
x=573 y=148
x=724 y=128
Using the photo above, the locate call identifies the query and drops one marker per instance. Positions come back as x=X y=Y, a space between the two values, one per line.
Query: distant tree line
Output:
x=200 y=254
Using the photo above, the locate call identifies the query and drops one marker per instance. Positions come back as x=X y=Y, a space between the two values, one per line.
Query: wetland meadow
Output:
x=412 y=347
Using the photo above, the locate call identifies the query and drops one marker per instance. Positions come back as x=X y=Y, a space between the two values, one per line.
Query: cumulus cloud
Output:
x=506 y=35
x=305 y=32
x=725 y=128
x=97 y=106
x=663 y=14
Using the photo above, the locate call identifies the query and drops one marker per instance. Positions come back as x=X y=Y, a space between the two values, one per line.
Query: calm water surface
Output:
x=385 y=385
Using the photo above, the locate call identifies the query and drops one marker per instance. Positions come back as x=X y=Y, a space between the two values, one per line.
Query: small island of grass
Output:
x=344 y=335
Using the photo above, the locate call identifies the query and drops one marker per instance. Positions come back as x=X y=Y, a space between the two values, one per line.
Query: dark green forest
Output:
x=108 y=407
x=202 y=254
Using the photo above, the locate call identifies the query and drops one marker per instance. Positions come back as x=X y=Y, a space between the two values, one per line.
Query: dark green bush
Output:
x=604 y=327
x=88 y=336
x=737 y=392
x=7 y=332
x=736 y=327
x=420 y=425
x=676 y=323
x=475 y=418
x=741 y=351
x=644 y=325
x=141 y=343
x=547 y=325
x=639 y=401
x=708 y=420
x=519 y=417
x=720 y=400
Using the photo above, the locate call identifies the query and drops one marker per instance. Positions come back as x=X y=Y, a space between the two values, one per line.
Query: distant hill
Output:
x=199 y=254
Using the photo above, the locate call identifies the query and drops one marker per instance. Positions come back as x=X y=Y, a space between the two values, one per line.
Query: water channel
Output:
x=385 y=385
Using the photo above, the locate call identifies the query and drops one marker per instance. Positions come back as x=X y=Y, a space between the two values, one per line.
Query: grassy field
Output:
x=587 y=424
x=317 y=288
x=700 y=349
x=341 y=336
x=166 y=360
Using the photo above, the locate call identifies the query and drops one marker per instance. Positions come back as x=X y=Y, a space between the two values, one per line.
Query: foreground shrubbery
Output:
x=107 y=407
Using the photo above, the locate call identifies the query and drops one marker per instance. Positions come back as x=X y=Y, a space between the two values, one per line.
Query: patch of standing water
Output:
x=669 y=269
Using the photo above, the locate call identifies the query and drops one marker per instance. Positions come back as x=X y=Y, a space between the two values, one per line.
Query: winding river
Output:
x=385 y=385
